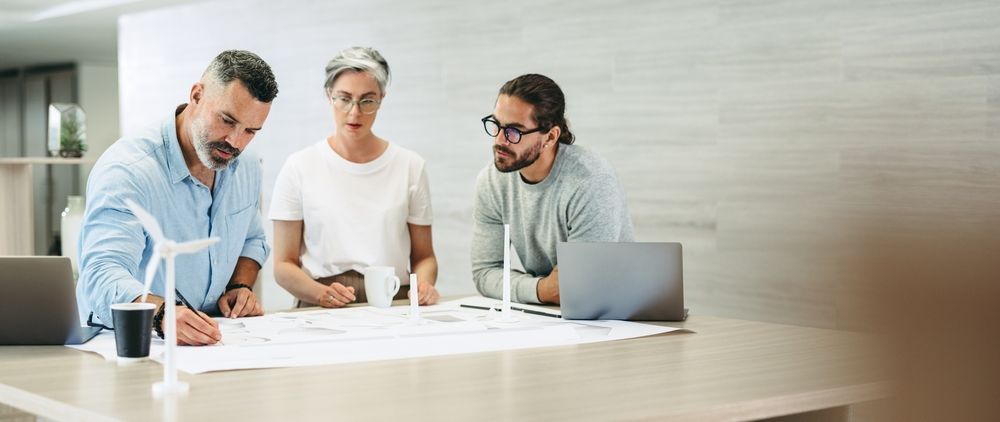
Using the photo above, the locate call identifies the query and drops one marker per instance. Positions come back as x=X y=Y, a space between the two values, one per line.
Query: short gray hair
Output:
x=247 y=67
x=358 y=59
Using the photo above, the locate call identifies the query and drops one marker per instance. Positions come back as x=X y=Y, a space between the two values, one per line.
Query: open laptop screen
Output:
x=634 y=281
x=38 y=302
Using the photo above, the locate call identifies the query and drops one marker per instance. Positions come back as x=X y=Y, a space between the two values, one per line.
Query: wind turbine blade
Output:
x=147 y=220
x=194 y=245
x=154 y=262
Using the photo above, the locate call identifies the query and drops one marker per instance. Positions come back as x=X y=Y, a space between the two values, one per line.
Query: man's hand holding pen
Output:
x=195 y=328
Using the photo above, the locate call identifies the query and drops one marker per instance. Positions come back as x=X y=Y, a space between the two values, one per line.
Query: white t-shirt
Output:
x=354 y=215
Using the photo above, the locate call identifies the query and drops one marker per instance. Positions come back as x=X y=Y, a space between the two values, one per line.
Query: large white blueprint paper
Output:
x=362 y=334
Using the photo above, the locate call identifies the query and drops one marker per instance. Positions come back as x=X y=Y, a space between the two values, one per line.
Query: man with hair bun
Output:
x=193 y=174
x=548 y=189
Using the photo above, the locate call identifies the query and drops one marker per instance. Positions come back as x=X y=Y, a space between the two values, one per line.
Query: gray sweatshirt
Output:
x=580 y=200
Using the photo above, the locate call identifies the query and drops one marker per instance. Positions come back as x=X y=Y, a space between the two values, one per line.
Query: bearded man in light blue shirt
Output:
x=192 y=174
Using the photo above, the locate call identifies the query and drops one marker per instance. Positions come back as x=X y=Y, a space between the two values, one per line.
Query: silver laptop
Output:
x=623 y=281
x=38 y=302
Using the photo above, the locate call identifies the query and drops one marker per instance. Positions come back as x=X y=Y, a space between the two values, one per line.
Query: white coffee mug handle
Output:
x=394 y=289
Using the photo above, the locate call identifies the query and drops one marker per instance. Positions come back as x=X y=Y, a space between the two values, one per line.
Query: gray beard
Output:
x=203 y=148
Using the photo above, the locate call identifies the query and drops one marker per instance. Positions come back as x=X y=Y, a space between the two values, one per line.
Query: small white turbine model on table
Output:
x=166 y=250
x=506 y=315
x=414 y=301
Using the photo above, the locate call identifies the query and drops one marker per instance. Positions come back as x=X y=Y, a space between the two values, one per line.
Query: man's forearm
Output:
x=523 y=287
x=104 y=283
x=245 y=272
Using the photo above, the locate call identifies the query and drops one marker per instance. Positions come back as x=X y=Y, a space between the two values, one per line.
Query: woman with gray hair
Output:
x=352 y=200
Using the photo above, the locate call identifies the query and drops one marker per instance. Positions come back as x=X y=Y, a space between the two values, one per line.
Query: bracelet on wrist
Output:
x=234 y=286
x=158 y=319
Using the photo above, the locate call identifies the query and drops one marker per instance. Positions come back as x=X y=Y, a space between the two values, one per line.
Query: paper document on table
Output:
x=589 y=331
x=361 y=334
x=104 y=345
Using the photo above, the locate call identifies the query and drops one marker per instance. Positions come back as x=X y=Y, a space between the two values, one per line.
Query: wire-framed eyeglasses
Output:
x=512 y=134
x=345 y=104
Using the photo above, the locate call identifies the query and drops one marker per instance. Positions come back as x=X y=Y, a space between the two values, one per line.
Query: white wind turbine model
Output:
x=167 y=250
x=506 y=317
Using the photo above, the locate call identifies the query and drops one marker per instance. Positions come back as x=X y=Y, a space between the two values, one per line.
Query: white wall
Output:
x=767 y=136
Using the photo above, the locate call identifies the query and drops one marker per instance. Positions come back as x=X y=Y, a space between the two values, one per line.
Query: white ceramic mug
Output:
x=381 y=284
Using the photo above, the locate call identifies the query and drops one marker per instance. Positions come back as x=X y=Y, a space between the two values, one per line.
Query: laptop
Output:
x=631 y=281
x=38 y=302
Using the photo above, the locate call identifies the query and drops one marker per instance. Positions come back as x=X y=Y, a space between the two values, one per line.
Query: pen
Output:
x=527 y=311
x=192 y=308
x=534 y=312
x=476 y=307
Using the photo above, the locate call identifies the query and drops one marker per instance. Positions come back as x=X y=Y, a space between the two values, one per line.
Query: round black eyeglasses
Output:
x=512 y=134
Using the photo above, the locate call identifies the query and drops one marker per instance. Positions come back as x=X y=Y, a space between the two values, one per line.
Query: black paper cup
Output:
x=133 y=330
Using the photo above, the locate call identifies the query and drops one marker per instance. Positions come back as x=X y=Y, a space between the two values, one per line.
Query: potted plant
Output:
x=67 y=130
x=72 y=137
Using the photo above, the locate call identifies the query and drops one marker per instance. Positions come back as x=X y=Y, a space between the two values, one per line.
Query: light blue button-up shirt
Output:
x=150 y=170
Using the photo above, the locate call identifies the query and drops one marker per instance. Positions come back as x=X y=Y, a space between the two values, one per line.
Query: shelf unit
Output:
x=16 y=200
